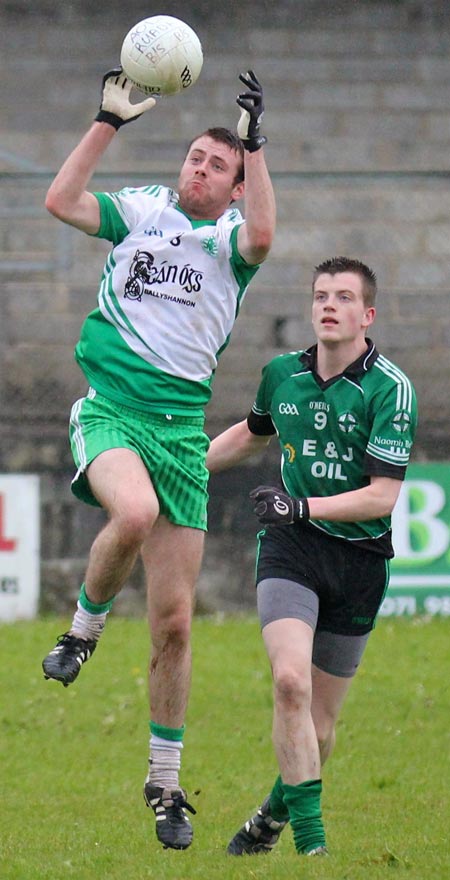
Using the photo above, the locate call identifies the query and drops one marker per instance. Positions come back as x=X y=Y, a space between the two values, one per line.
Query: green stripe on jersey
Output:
x=169 y=295
x=126 y=378
x=335 y=435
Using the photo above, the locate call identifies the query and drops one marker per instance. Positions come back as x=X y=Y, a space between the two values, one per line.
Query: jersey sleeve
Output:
x=112 y=225
x=393 y=430
x=262 y=425
x=259 y=420
x=121 y=211
x=243 y=272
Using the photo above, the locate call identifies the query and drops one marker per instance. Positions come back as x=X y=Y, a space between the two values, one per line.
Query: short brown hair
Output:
x=225 y=136
x=345 y=264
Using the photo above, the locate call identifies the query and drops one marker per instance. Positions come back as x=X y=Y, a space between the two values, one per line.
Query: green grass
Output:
x=73 y=760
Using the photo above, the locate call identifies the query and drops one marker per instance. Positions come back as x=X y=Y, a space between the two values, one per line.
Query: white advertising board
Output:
x=19 y=546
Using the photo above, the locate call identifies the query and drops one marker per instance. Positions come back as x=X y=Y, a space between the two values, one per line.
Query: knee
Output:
x=171 y=630
x=292 y=687
x=134 y=521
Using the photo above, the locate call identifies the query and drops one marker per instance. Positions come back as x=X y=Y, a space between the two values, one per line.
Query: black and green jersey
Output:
x=335 y=435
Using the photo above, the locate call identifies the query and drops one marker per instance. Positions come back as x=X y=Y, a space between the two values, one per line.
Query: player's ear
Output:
x=238 y=191
x=369 y=316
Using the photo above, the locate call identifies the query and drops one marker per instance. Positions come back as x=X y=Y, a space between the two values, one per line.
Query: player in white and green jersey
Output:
x=170 y=292
x=169 y=296
x=345 y=417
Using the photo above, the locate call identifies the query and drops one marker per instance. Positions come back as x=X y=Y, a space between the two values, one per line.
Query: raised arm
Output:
x=67 y=197
x=234 y=445
x=255 y=236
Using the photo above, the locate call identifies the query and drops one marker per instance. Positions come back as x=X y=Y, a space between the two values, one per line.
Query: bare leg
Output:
x=289 y=645
x=328 y=695
x=121 y=484
x=172 y=557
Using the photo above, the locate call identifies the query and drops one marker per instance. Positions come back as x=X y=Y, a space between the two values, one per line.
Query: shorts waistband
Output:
x=161 y=418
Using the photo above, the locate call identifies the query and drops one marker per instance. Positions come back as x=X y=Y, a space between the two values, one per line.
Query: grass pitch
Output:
x=73 y=760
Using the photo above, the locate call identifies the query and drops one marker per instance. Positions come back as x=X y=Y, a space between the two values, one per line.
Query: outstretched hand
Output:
x=275 y=507
x=251 y=103
x=116 y=107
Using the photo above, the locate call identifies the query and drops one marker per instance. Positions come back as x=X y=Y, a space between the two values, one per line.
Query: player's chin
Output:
x=193 y=201
x=328 y=334
x=328 y=330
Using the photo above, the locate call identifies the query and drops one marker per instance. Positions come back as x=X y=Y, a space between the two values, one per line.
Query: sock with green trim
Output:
x=277 y=807
x=165 y=755
x=89 y=619
x=303 y=803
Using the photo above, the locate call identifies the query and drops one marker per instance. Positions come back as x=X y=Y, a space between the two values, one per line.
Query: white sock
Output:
x=164 y=762
x=87 y=625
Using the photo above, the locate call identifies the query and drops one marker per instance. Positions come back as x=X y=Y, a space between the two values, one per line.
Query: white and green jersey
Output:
x=169 y=295
x=335 y=435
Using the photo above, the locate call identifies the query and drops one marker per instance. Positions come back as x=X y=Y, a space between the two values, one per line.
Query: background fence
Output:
x=358 y=122
x=49 y=277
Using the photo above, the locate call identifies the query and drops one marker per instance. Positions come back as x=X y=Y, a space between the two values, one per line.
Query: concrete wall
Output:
x=358 y=121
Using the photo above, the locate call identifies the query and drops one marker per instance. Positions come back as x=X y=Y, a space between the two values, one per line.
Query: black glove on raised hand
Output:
x=116 y=107
x=252 y=112
x=275 y=507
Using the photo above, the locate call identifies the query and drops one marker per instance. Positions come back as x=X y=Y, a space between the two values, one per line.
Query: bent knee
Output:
x=134 y=521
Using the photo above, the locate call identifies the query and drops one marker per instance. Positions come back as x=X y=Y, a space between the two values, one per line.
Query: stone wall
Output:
x=358 y=122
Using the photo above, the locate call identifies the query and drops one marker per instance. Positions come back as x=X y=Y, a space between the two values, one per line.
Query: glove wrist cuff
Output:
x=253 y=144
x=301 y=511
x=110 y=118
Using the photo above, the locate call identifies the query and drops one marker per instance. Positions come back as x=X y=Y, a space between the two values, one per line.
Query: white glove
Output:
x=116 y=107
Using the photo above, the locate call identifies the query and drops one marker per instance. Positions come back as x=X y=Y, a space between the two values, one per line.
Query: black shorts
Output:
x=349 y=581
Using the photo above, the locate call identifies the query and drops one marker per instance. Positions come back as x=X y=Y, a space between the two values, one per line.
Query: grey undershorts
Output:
x=335 y=654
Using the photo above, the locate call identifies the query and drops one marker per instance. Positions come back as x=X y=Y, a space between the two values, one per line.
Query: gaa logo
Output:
x=401 y=422
x=347 y=422
x=288 y=409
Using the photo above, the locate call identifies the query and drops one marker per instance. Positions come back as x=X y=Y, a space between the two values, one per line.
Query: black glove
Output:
x=275 y=507
x=116 y=107
x=252 y=112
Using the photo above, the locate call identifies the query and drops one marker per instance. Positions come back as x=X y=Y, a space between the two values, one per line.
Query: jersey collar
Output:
x=362 y=364
x=196 y=224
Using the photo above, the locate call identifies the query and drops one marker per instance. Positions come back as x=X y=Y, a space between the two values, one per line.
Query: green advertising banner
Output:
x=420 y=571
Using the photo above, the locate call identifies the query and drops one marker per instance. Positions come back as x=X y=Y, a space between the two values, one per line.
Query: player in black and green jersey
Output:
x=345 y=417
x=169 y=295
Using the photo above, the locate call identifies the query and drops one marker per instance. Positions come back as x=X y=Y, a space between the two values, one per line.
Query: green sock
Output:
x=278 y=809
x=90 y=606
x=303 y=803
x=175 y=734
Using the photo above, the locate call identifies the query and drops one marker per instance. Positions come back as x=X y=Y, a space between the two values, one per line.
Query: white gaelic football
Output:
x=162 y=55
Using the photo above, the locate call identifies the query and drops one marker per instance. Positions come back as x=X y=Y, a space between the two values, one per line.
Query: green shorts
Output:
x=172 y=448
